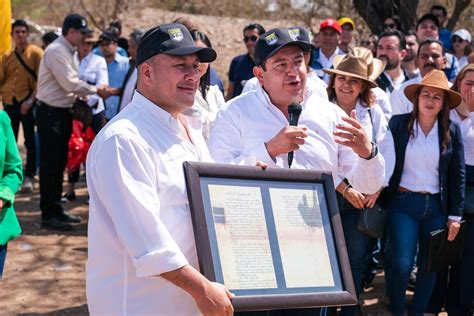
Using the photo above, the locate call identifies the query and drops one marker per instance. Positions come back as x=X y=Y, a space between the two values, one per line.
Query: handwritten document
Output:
x=301 y=238
x=242 y=237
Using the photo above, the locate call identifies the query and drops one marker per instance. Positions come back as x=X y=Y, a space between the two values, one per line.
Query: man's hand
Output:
x=211 y=298
x=289 y=138
x=26 y=106
x=453 y=229
x=354 y=136
x=215 y=300
x=103 y=91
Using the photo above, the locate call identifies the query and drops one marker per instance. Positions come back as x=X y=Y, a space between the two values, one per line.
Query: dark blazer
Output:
x=452 y=174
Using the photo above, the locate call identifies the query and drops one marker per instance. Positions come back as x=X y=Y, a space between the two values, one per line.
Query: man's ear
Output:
x=146 y=73
x=258 y=72
x=403 y=53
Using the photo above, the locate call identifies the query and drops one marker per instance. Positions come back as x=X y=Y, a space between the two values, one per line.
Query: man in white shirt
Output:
x=313 y=82
x=93 y=70
x=391 y=49
x=329 y=38
x=254 y=126
x=430 y=56
x=142 y=253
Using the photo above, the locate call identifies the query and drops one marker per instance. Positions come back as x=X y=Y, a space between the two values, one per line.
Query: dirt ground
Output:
x=45 y=274
x=45 y=269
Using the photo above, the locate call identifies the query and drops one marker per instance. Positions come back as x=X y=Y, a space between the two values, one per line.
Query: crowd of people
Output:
x=391 y=118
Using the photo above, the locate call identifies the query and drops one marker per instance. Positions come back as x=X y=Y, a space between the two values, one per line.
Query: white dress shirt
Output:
x=398 y=100
x=419 y=173
x=129 y=89
x=208 y=108
x=467 y=131
x=318 y=86
x=327 y=63
x=245 y=123
x=139 y=217
x=383 y=100
x=378 y=126
x=93 y=69
x=395 y=84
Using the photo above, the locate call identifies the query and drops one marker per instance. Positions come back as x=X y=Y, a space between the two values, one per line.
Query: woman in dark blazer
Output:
x=426 y=190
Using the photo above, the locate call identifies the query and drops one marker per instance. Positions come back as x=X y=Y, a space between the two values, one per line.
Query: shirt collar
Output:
x=156 y=112
x=64 y=42
x=434 y=130
x=267 y=101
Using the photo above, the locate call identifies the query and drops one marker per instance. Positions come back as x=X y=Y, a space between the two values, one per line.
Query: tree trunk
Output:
x=459 y=7
x=374 y=12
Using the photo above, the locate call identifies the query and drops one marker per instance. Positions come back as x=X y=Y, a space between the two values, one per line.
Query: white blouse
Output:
x=421 y=167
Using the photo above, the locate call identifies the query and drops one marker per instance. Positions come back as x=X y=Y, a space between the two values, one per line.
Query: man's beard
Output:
x=409 y=57
x=390 y=64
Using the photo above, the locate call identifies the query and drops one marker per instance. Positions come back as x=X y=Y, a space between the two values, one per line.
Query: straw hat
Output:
x=93 y=37
x=358 y=63
x=436 y=79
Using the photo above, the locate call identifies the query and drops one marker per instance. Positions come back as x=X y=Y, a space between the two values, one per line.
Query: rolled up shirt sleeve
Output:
x=127 y=187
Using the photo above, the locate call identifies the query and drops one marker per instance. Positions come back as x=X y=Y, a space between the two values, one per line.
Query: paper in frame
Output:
x=245 y=223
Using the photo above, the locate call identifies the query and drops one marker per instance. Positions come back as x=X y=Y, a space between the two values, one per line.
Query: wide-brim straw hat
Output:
x=435 y=79
x=358 y=63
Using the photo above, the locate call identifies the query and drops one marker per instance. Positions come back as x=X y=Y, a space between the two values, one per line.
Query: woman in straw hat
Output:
x=350 y=84
x=429 y=163
x=460 y=292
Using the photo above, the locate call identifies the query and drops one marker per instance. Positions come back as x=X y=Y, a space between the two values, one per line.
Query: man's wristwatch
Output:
x=373 y=153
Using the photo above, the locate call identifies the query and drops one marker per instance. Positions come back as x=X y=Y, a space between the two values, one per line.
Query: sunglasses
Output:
x=391 y=25
x=252 y=38
x=457 y=40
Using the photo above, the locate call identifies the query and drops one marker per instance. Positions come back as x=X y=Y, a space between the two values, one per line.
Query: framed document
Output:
x=273 y=237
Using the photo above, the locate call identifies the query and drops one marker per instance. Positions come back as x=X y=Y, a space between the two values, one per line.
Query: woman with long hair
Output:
x=426 y=190
x=208 y=98
x=350 y=84
x=461 y=40
x=457 y=289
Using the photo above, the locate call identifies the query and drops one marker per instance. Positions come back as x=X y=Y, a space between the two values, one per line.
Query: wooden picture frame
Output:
x=273 y=237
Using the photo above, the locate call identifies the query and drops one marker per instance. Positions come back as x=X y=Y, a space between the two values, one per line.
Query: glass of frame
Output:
x=273 y=237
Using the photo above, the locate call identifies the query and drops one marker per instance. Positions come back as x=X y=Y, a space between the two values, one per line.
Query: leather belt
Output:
x=402 y=189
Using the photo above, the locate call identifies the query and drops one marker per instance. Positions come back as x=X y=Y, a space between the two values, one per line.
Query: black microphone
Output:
x=294 y=111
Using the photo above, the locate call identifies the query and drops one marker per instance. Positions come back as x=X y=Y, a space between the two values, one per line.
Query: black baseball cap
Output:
x=301 y=33
x=269 y=43
x=428 y=16
x=109 y=35
x=171 y=39
x=76 y=21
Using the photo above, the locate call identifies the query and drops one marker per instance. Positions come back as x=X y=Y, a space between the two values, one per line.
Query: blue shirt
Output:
x=117 y=70
x=120 y=50
x=215 y=79
x=241 y=70
x=445 y=38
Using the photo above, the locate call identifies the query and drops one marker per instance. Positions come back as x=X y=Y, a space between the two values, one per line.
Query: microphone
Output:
x=294 y=111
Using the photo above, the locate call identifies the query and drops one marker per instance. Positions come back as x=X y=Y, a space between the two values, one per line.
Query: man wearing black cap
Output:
x=255 y=125
x=142 y=256
x=262 y=131
x=58 y=87
x=117 y=67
